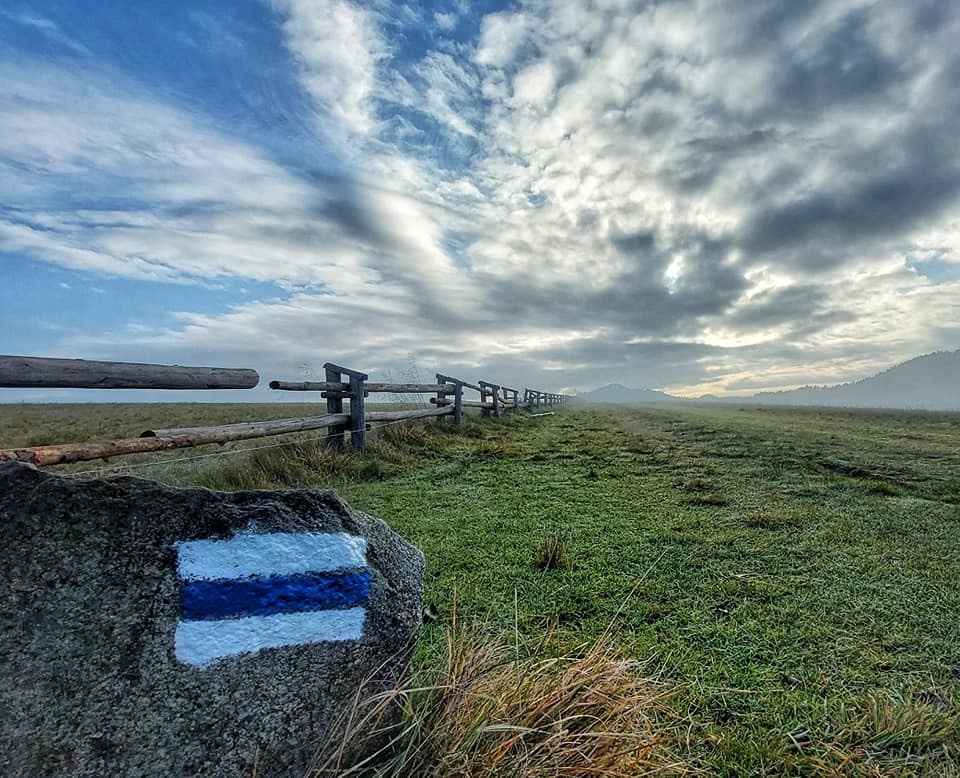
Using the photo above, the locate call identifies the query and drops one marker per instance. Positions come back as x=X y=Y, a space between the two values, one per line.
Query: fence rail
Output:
x=46 y=373
x=371 y=388
x=341 y=384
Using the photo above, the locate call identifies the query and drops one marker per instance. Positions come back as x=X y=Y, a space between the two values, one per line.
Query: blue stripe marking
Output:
x=235 y=597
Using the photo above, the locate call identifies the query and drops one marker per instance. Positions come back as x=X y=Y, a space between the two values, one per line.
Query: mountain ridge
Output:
x=926 y=382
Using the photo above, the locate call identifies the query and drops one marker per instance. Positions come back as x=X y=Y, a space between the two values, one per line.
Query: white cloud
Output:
x=535 y=85
x=337 y=47
x=445 y=21
x=502 y=35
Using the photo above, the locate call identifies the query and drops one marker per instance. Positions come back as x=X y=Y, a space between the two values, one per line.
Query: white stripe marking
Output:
x=275 y=553
x=201 y=642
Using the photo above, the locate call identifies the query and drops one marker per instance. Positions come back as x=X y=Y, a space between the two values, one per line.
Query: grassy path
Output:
x=793 y=575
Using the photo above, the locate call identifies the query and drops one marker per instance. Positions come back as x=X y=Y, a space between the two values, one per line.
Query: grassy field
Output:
x=791 y=577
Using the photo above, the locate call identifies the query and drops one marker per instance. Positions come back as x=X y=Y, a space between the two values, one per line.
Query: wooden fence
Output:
x=340 y=384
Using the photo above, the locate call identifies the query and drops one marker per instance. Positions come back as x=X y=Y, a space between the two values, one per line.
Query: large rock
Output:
x=150 y=631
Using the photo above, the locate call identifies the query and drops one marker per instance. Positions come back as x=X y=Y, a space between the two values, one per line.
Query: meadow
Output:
x=787 y=579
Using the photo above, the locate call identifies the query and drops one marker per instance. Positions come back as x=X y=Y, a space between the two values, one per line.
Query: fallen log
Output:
x=44 y=456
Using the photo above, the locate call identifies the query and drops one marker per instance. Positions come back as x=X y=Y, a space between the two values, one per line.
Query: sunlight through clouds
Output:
x=677 y=195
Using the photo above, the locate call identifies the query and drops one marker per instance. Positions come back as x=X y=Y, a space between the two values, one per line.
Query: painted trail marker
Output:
x=270 y=590
x=183 y=632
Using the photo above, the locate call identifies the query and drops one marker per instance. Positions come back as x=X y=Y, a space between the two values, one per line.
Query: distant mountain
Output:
x=930 y=382
x=618 y=393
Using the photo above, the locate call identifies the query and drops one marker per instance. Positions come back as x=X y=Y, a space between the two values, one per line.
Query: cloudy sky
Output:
x=698 y=196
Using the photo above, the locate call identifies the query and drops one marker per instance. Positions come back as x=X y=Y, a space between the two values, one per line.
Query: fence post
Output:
x=334 y=405
x=441 y=396
x=458 y=403
x=358 y=424
x=457 y=396
x=492 y=390
x=357 y=427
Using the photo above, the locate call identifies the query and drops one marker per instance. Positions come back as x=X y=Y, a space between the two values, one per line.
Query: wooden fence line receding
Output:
x=45 y=373
x=341 y=384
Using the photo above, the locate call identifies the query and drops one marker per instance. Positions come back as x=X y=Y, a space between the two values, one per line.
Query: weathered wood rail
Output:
x=182 y=438
x=45 y=373
x=341 y=384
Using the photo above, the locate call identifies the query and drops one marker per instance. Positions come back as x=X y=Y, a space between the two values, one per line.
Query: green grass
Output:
x=794 y=575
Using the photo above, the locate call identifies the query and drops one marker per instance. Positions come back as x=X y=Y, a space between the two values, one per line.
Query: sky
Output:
x=695 y=196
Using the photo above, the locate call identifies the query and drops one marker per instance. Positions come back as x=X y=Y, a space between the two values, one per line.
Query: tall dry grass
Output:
x=480 y=711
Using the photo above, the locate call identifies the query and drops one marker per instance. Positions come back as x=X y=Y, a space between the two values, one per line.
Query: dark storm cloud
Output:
x=880 y=187
x=835 y=220
x=609 y=351
x=841 y=65
x=635 y=243
x=638 y=300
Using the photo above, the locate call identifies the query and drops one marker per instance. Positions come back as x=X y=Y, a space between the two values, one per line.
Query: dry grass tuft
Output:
x=480 y=712
x=907 y=737
x=550 y=551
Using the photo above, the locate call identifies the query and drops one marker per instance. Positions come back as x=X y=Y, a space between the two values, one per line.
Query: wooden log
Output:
x=330 y=367
x=420 y=413
x=411 y=388
x=271 y=427
x=452 y=380
x=464 y=403
x=44 y=456
x=309 y=386
x=326 y=386
x=42 y=372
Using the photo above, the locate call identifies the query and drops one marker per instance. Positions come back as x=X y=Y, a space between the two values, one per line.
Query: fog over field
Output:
x=929 y=382
x=718 y=198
